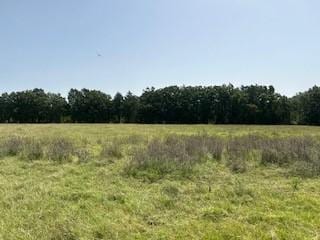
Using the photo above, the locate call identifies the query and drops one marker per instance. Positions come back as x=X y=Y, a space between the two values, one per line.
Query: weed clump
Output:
x=215 y=147
x=83 y=155
x=112 y=151
x=12 y=146
x=60 y=150
x=32 y=150
x=300 y=154
x=306 y=168
x=236 y=157
x=172 y=154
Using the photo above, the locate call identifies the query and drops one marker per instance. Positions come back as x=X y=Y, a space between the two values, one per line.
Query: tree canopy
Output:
x=224 y=104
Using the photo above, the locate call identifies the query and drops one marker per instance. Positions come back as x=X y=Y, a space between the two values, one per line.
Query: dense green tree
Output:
x=5 y=108
x=149 y=106
x=130 y=108
x=32 y=106
x=57 y=108
x=307 y=106
x=89 y=106
x=28 y=106
x=252 y=104
x=117 y=108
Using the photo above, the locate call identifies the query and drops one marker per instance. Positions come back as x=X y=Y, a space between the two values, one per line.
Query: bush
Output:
x=310 y=165
x=215 y=147
x=289 y=150
x=112 y=151
x=83 y=155
x=236 y=155
x=60 y=150
x=172 y=154
x=12 y=146
x=306 y=169
x=32 y=150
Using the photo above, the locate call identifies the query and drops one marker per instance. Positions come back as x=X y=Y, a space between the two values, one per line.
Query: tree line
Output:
x=224 y=104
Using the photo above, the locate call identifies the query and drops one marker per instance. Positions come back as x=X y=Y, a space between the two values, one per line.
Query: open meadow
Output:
x=130 y=181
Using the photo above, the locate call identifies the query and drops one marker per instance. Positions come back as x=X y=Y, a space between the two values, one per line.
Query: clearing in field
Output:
x=159 y=182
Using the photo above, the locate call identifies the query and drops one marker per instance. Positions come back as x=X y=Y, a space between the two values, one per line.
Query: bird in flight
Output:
x=99 y=55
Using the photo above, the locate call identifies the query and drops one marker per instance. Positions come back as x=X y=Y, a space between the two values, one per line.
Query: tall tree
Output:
x=89 y=106
x=117 y=107
x=130 y=108
x=308 y=106
x=57 y=108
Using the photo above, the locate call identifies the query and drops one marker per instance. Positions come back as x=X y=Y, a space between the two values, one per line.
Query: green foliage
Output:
x=32 y=106
x=117 y=108
x=306 y=107
x=89 y=106
x=130 y=108
x=252 y=104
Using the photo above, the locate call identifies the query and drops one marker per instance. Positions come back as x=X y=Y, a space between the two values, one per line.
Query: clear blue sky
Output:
x=54 y=44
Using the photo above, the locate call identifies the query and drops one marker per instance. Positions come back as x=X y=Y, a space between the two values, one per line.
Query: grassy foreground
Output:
x=95 y=194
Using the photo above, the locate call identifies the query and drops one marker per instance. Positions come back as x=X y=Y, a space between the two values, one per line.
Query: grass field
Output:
x=159 y=182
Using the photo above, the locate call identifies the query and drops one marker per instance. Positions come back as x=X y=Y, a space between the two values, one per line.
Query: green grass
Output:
x=98 y=199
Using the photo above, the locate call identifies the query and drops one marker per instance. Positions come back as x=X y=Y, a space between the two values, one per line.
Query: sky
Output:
x=122 y=45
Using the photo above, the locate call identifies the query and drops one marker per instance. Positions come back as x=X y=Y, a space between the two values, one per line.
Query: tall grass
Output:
x=60 y=150
x=178 y=153
x=32 y=150
x=300 y=155
x=174 y=154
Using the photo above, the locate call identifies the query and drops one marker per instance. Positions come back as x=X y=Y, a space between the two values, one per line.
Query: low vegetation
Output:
x=166 y=182
x=174 y=153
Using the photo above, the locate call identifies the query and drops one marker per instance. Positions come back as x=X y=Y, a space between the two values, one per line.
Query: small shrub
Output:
x=290 y=151
x=195 y=145
x=276 y=151
x=237 y=165
x=161 y=157
x=32 y=150
x=13 y=145
x=304 y=149
x=274 y=156
x=60 y=150
x=236 y=156
x=111 y=151
x=306 y=169
x=83 y=155
x=215 y=147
